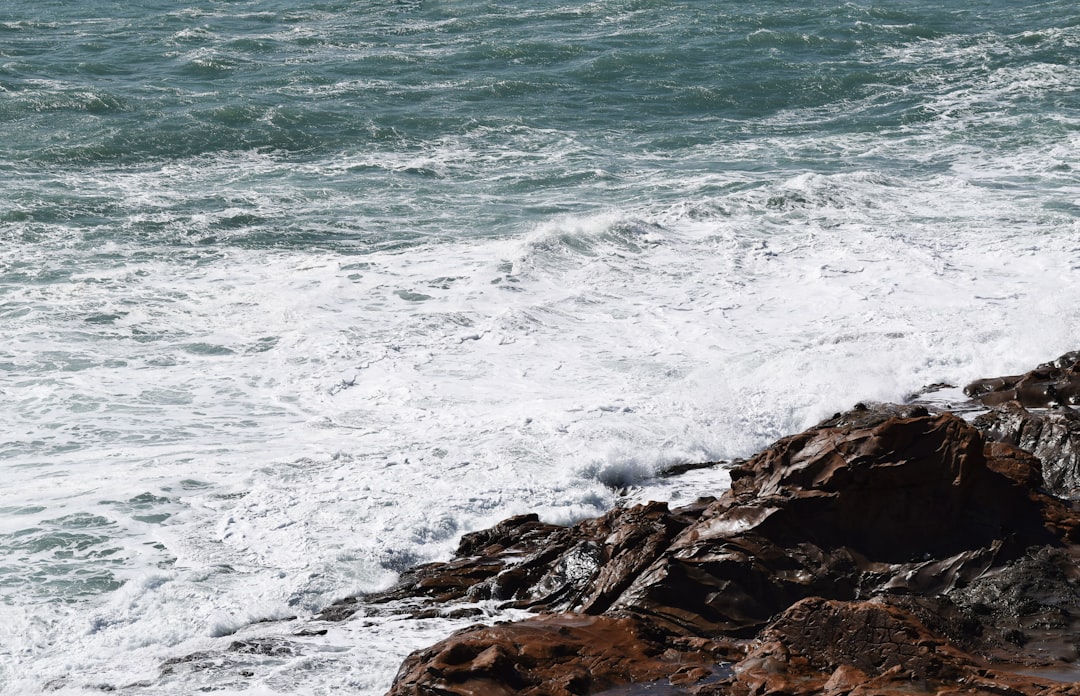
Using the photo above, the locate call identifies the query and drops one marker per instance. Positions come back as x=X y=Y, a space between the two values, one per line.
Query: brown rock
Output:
x=872 y=637
x=1034 y=412
x=820 y=646
x=844 y=679
x=529 y=564
x=551 y=655
x=1051 y=435
x=909 y=505
x=1050 y=384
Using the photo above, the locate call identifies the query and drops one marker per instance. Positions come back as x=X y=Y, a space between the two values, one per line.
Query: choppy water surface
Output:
x=294 y=294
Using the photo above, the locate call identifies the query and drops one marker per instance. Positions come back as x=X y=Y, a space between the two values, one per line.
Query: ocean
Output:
x=294 y=294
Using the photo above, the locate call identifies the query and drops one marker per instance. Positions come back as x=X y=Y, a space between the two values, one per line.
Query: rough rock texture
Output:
x=533 y=565
x=1052 y=435
x=1053 y=383
x=821 y=646
x=903 y=506
x=1034 y=412
x=886 y=550
x=558 y=655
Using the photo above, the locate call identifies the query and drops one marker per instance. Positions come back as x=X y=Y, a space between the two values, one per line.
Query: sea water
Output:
x=294 y=294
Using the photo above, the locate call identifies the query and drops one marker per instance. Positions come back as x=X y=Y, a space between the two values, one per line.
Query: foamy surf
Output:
x=357 y=417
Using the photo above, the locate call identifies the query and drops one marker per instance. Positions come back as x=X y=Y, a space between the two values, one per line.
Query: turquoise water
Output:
x=294 y=294
x=378 y=118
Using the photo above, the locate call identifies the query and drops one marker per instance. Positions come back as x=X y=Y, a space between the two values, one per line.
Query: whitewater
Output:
x=293 y=295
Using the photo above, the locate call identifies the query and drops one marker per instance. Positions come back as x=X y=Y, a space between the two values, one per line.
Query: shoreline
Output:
x=933 y=529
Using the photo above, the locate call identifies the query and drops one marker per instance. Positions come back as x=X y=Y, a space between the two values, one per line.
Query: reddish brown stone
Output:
x=1050 y=384
x=907 y=505
x=553 y=655
x=819 y=646
x=1052 y=435
x=1034 y=412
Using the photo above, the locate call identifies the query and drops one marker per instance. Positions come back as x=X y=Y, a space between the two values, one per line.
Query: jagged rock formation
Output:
x=1054 y=383
x=1052 y=435
x=1034 y=411
x=886 y=550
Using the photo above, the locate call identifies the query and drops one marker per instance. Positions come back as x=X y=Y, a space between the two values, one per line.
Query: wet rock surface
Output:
x=558 y=655
x=887 y=550
x=1051 y=384
x=1034 y=412
x=1052 y=435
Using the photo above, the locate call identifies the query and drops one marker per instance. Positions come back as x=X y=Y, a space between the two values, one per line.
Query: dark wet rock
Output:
x=474 y=573
x=558 y=655
x=525 y=563
x=1033 y=604
x=891 y=490
x=909 y=506
x=268 y=647
x=1034 y=412
x=864 y=415
x=1050 y=384
x=823 y=646
x=684 y=467
x=1052 y=435
x=239 y=653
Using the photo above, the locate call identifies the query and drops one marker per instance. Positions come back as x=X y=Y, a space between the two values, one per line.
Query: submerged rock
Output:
x=885 y=550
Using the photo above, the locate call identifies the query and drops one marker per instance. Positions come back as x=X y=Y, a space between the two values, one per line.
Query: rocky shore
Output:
x=890 y=549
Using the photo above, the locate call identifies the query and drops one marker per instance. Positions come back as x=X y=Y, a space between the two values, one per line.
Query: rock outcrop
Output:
x=559 y=655
x=1056 y=383
x=886 y=550
x=1034 y=412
